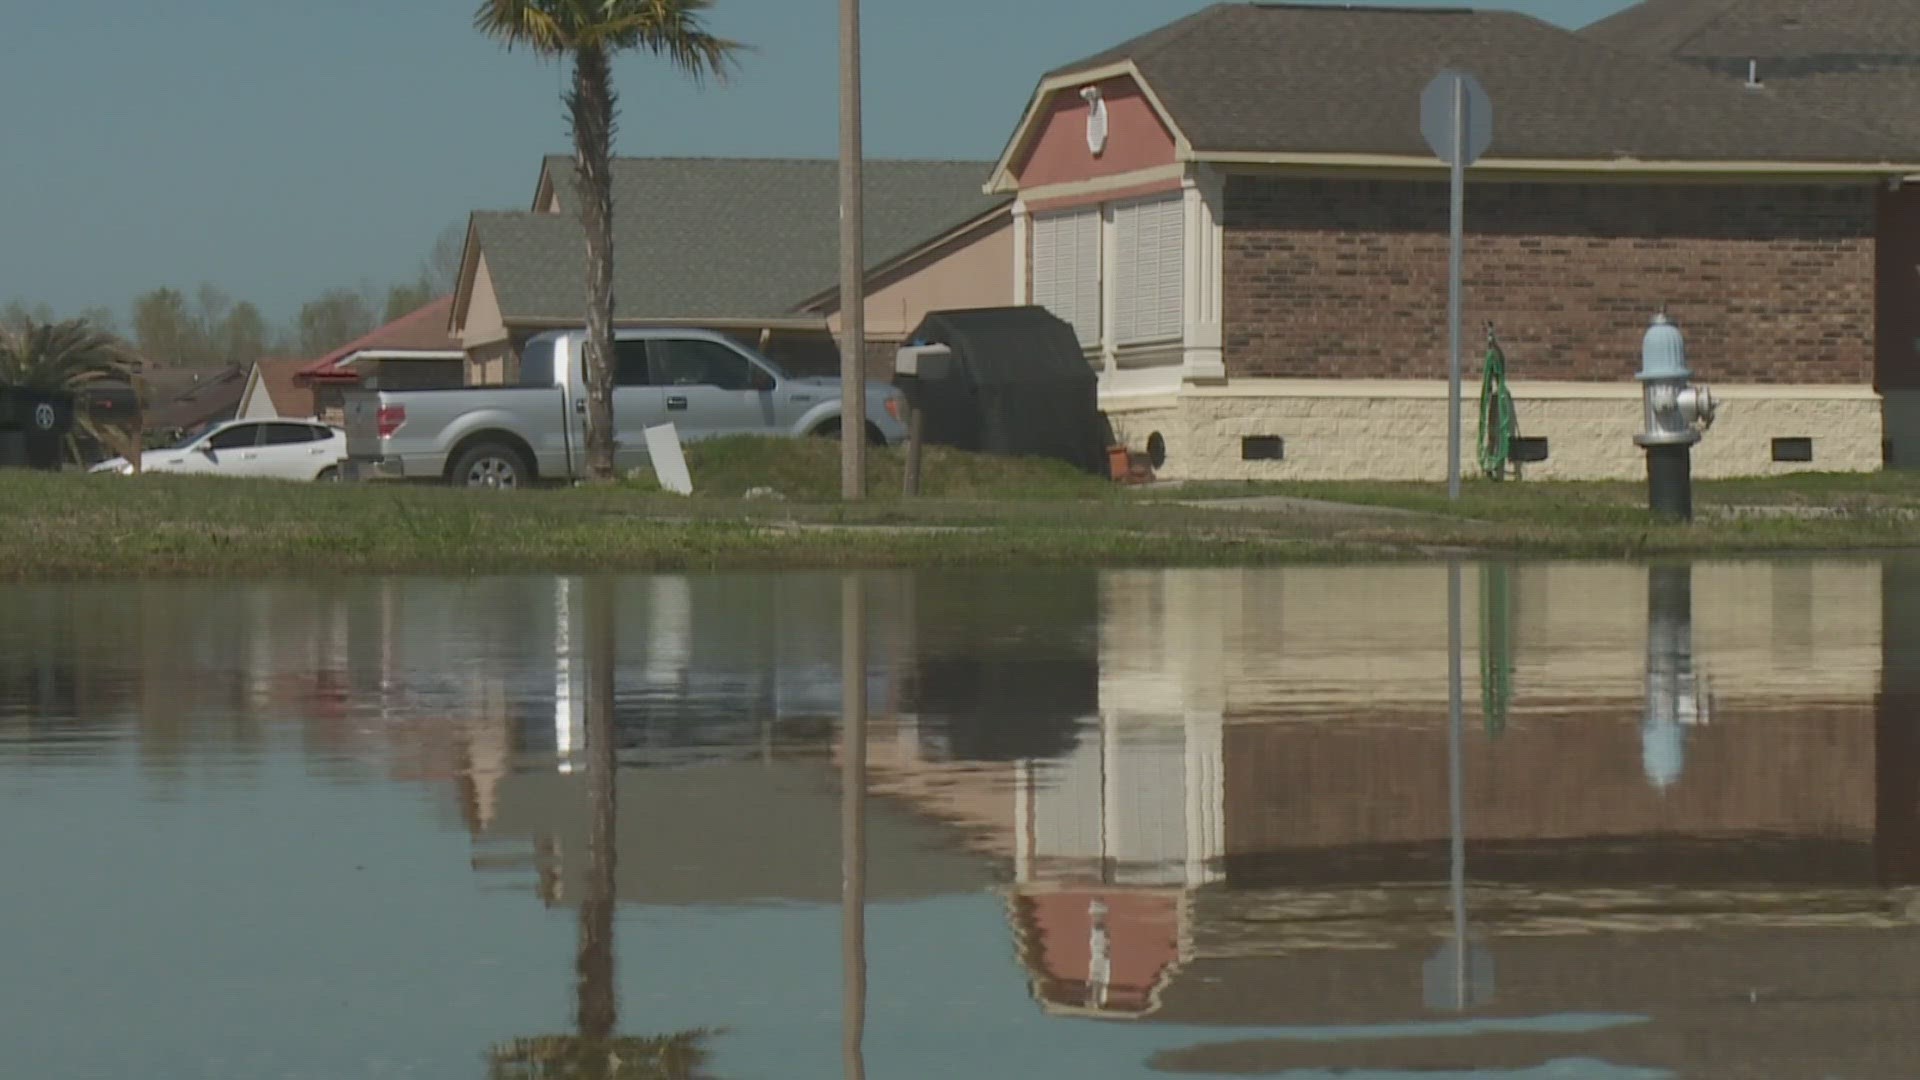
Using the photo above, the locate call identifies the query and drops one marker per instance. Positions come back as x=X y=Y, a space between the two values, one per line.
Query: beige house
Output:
x=748 y=247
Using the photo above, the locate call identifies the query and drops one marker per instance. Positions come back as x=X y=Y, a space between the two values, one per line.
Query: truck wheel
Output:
x=329 y=475
x=490 y=465
x=831 y=430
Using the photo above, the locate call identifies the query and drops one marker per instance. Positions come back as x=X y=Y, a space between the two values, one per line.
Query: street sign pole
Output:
x=1455 y=259
x=1457 y=121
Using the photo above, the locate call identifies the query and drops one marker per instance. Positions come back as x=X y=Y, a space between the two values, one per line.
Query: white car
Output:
x=273 y=449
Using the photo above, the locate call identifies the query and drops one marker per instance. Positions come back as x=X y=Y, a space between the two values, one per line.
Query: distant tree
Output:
x=242 y=337
x=337 y=317
x=442 y=265
x=101 y=318
x=16 y=313
x=590 y=32
x=405 y=299
x=165 y=329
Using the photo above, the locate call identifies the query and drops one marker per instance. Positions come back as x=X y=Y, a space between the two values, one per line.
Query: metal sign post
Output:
x=1457 y=120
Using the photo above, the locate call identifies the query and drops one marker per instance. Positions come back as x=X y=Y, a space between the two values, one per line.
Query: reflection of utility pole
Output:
x=1896 y=725
x=853 y=821
x=1676 y=696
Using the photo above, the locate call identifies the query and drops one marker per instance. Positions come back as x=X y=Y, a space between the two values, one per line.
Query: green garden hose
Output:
x=1498 y=424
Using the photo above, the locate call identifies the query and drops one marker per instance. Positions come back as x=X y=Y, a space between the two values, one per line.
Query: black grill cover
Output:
x=1020 y=384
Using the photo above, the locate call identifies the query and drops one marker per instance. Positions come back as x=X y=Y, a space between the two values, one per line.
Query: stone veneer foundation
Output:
x=1346 y=429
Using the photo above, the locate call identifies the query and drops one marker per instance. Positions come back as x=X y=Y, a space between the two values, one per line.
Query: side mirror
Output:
x=762 y=380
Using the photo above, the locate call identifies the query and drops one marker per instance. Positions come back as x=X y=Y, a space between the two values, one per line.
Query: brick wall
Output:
x=1348 y=278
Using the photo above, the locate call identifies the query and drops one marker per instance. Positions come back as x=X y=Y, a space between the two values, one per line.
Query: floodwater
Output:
x=1113 y=824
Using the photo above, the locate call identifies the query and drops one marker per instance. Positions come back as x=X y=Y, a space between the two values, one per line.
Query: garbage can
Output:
x=33 y=424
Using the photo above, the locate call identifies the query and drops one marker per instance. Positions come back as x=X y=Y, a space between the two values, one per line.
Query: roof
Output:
x=1764 y=28
x=1299 y=79
x=423 y=330
x=1857 y=61
x=275 y=376
x=720 y=238
x=214 y=397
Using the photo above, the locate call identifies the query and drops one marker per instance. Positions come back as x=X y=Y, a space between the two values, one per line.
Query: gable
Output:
x=1058 y=151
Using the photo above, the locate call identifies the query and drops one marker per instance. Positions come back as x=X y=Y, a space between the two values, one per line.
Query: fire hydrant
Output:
x=1677 y=413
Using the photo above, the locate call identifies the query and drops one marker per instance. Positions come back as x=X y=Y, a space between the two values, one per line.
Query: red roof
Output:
x=424 y=330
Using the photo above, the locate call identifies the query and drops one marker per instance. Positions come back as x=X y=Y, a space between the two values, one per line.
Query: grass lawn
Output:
x=975 y=510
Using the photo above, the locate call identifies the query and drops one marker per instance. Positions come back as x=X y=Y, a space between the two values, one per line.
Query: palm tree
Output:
x=591 y=32
x=67 y=356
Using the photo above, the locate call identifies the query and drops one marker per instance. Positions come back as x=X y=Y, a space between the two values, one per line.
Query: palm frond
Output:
x=675 y=30
x=61 y=355
x=545 y=26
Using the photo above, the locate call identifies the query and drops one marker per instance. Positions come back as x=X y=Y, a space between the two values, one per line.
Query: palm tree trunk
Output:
x=590 y=105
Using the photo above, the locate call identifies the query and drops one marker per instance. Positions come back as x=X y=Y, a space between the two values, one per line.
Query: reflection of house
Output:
x=743 y=246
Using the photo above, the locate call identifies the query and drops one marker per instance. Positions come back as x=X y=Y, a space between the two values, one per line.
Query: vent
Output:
x=1156 y=450
x=1263 y=448
x=1793 y=449
x=1528 y=448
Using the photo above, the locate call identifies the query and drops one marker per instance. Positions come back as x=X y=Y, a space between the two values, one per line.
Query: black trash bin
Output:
x=33 y=425
x=1019 y=384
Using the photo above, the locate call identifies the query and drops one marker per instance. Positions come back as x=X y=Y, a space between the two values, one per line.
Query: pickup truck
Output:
x=704 y=383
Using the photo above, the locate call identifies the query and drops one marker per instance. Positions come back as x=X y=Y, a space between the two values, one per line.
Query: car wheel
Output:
x=490 y=465
x=329 y=475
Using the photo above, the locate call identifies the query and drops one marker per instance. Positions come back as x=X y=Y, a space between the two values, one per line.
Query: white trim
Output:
x=1837 y=169
x=1109 y=357
x=1100 y=185
x=400 y=354
x=1022 y=253
x=1203 y=191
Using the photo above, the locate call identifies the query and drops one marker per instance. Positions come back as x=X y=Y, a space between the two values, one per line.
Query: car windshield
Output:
x=193 y=436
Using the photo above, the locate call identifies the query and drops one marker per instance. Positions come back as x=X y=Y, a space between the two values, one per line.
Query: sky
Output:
x=275 y=149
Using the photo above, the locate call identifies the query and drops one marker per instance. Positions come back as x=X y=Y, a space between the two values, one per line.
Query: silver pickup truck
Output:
x=704 y=383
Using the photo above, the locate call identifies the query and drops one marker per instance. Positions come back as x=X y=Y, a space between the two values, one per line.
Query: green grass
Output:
x=978 y=511
x=808 y=470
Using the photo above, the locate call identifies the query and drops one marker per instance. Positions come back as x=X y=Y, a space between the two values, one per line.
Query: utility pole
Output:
x=853 y=300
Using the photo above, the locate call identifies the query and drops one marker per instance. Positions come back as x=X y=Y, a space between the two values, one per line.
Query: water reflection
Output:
x=1227 y=811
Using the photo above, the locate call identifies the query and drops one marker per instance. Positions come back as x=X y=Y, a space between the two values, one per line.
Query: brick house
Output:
x=1857 y=61
x=1239 y=214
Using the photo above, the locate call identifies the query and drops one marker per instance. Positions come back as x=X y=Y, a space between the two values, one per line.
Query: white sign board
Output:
x=669 y=463
x=1437 y=120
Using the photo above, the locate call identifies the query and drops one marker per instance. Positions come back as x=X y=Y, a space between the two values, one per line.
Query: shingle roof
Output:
x=721 y=237
x=1764 y=28
x=277 y=374
x=1309 y=79
x=1857 y=61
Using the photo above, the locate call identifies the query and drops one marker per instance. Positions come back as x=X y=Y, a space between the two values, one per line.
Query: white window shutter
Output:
x=1149 y=291
x=1066 y=270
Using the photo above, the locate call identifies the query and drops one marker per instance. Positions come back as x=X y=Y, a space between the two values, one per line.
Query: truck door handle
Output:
x=580 y=406
x=676 y=403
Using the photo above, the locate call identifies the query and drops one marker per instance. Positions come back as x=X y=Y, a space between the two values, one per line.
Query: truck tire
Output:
x=831 y=430
x=490 y=465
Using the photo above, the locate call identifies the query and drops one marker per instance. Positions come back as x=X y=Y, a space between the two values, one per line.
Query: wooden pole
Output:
x=913 y=448
x=853 y=305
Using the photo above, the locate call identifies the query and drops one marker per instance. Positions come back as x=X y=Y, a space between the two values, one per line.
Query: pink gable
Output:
x=1058 y=152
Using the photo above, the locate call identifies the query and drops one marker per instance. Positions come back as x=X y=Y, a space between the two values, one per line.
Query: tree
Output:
x=442 y=265
x=66 y=356
x=337 y=317
x=242 y=336
x=591 y=32
x=404 y=299
x=164 y=329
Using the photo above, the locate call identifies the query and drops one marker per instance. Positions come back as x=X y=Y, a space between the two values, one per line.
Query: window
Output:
x=235 y=437
x=630 y=362
x=536 y=362
x=1066 y=269
x=1149 y=271
x=696 y=362
x=287 y=434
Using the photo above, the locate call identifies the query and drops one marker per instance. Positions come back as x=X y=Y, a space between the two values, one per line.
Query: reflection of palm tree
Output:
x=595 y=1052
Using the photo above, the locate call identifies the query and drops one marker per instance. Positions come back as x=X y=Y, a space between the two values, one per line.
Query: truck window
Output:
x=630 y=363
x=536 y=362
x=698 y=362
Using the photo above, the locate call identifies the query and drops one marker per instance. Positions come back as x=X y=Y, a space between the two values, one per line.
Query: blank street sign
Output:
x=1436 y=116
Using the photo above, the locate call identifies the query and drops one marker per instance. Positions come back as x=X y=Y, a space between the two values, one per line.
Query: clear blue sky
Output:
x=278 y=148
